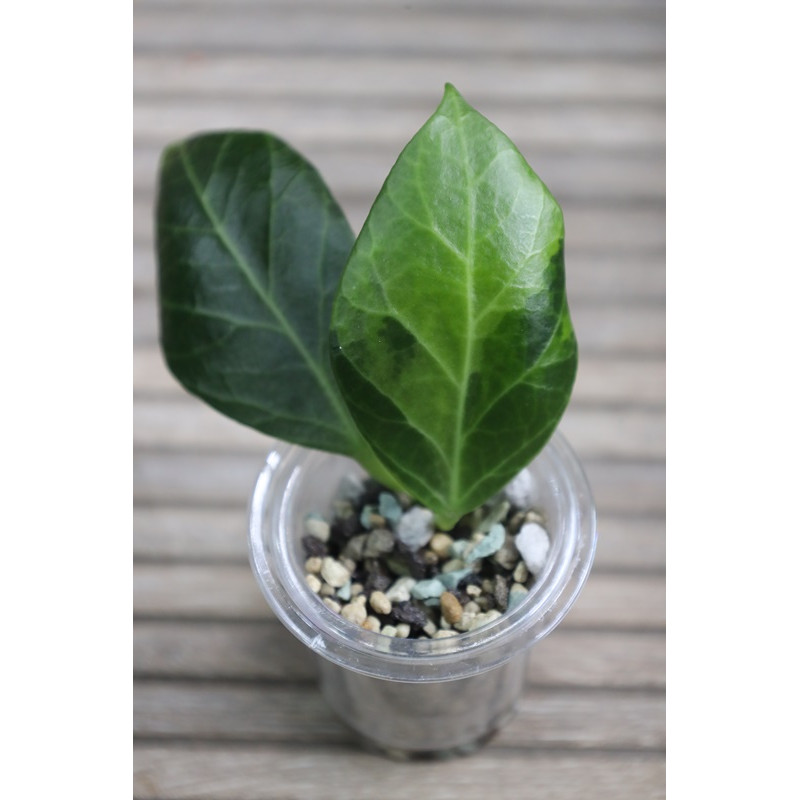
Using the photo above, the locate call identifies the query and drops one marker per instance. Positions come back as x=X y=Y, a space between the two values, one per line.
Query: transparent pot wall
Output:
x=411 y=697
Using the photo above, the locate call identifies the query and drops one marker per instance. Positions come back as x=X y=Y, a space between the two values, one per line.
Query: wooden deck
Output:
x=225 y=705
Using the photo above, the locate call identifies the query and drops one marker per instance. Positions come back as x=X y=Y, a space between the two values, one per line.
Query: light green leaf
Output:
x=452 y=342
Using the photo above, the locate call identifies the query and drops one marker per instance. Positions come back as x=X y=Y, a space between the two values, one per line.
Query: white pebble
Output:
x=313 y=583
x=521 y=491
x=400 y=590
x=485 y=618
x=533 y=544
x=372 y=624
x=334 y=573
x=444 y=634
x=521 y=572
x=403 y=630
x=389 y=630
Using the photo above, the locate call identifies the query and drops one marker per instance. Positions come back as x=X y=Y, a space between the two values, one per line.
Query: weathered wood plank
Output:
x=491 y=81
x=609 y=329
x=554 y=718
x=264 y=772
x=573 y=178
x=395 y=31
x=618 y=127
x=213 y=535
x=267 y=651
x=194 y=426
x=592 y=275
x=633 y=380
x=203 y=480
x=229 y=591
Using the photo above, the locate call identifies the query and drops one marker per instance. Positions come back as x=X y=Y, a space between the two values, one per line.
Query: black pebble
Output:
x=313 y=546
x=409 y=613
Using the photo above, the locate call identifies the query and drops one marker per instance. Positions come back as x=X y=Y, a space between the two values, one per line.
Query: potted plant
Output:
x=427 y=524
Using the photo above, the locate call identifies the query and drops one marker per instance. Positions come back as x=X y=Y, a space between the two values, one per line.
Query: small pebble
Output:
x=400 y=590
x=313 y=546
x=501 y=592
x=313 y=565
x=485 y=618
x=521 y=573
x=452 y=579
x=389 y=508
x=371 y=624
x=409 y=613
x=380 y=603
x=346 y=591
x=521 y=490
x=334 y=573
x=473 y=591
x=422 y=590
x=440 y=544
x=533 y=544
x=489 y=545
x=378 y=542
x=429 y=628
x=313 y=583
x=403 y=630
x=389 y=630
x=332 y=605
x=454 y=565
x=495 y=516
x=415 y=527
x=516 y=595
x=317 y=527
x=355 y=612
x=354 y=548
x=444 y=634
x=327 y=590
x=451 y=608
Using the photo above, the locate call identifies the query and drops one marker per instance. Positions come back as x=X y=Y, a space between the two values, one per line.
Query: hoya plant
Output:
x=435 y=348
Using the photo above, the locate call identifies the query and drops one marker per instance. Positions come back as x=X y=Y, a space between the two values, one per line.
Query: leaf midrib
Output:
x=285 y=328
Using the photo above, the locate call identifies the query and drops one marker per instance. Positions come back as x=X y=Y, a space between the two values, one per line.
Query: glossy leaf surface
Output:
x=452 y=341
x=251 y=247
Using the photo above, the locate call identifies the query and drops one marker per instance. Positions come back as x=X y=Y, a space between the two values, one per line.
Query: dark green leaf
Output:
x=251 y=247
x=453 y=344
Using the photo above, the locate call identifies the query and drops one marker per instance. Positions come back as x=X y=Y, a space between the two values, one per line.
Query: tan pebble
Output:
x=372 y=624
x=380 y=602
x=451 y=608
x=355 y=612
x=441 y=544
x=332 y=605
x=444 y=634
x=327 y=590
x=534 y=516
x=453 y=565
x=403 y=630
x=477 y=536
x=361 y=600
x=313 y=583
x=389 y=630
x=348 y=564
x=473 y=591
x=430 y=558
x=465 y=623
x=521 y=572
x=356 y=589
x=487 y=586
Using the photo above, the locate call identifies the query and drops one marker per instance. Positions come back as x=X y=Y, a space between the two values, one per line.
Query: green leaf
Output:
x=251 y=247
x=452 y=342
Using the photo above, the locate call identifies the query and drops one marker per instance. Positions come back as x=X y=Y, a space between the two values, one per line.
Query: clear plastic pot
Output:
x=417 y=697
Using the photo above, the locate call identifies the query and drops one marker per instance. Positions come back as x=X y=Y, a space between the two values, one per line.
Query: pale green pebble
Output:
x=346 y=592
x=516 y=595
x=400 y=590
x=489 y=545
x=423 y=590
x=458 y=548
x=452 y=579
x=366 y=516
x=389 y=508
x=432 y=602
